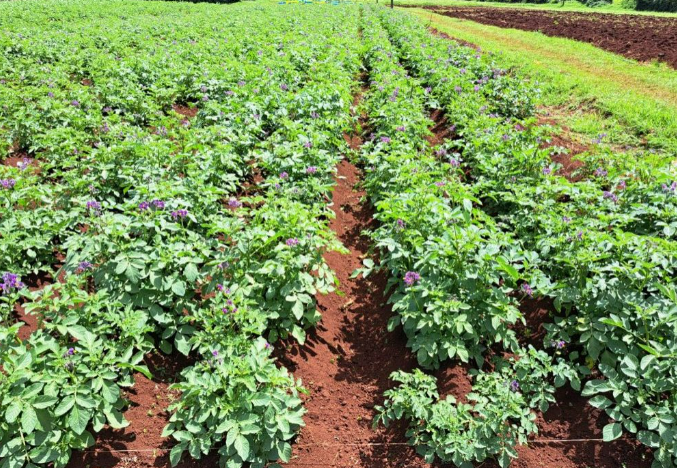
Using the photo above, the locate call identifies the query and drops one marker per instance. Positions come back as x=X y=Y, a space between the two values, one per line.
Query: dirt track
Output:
x=638 y=37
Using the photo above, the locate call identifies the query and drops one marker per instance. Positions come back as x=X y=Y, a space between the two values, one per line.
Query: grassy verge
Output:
x=569 y=5
x=603 y=91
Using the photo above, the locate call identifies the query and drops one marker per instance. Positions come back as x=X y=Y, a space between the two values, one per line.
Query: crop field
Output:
x=275 y=234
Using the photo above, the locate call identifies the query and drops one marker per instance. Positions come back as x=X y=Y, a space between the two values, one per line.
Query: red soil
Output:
x=348 y=357
x=637 y=37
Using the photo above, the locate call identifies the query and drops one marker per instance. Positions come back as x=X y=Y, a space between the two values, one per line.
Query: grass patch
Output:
x=615 y=92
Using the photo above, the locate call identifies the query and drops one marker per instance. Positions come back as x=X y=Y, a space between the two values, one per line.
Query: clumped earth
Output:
x=638 y=37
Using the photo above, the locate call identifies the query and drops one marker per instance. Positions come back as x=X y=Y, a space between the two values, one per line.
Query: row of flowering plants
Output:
x=453 y=288
x=603 y=246
x=174 y=170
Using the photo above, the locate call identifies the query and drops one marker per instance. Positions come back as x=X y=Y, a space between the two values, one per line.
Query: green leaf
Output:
x=12 y=412
x=65 y=405
x=612 y=431
x=182 y=344
x=179 y=288
x=241 y=445
x=115 y=419
x=78 y=419
x=190 y=272
x=29 y=419
x=176 y=452
x=44 y=401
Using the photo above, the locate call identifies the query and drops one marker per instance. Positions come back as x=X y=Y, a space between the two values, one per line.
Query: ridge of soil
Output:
x=638 y=37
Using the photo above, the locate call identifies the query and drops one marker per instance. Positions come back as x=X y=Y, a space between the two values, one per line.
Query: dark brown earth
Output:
x=639 y=37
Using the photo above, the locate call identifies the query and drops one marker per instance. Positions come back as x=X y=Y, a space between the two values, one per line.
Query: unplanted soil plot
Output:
x=637 y=37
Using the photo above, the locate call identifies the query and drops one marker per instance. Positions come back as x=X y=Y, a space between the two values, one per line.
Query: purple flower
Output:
x=385 y=139
x=476 y=88
x=311 y=170
x=234 y=203
x=505 y=137
x=622 y=185
x=23 y=165
x=10 y=282
x=50 y=94
x=292 y=242
x=308 y=144
x=440 y=184
x=284 y=87
x=7 y=184
x=158 y=204
x=215 y=353
x=70 y=351
x=566 y=219
x=458 y=89
x=144 y=205
x=411 y=278
x=547 y=171
x=441 y=152
x=393 y=97
x=611 y=196
x=579 y=235
x=428 y=90
x=93 y=207
x=559 y=344
x=599 y=138
x=526 y=289
x=277 y=186
x=314 y=115
x=84 y=266
x=203 y=88
x=107 y=110
x=401 y=128
x=519 y=127
x=179 y=214
x=284 y=175
x=670 y=188
x=514 y=386
x=230 y=93
x=400 y=224
x=600 y=172
x=267 y=345
x=224 y=265
x=454 y=162
x=75 y=103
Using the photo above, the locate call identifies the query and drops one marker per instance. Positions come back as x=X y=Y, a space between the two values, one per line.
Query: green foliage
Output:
x=497 y=416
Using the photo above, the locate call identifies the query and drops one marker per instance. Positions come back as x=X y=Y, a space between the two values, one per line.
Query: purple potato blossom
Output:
x=93 y=207
x=84 y=266
x=10 y=282
x=234 y=203
x=514 y=386
x=411 y=278
x=292 y=242
x=526 y=289
x=179 y=214
x=311 y=170
x=7 y=184
x=284 y=175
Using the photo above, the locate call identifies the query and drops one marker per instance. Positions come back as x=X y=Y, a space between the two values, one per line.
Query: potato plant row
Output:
x=449 y=291
x=601 y=248
x=169 y=184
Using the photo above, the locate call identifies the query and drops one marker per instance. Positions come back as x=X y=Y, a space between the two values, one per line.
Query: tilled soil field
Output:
x=638 y=37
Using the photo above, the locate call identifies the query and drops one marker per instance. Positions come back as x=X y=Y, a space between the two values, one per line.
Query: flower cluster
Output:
x=411 y=278
x=7 y=184
x=10 y=282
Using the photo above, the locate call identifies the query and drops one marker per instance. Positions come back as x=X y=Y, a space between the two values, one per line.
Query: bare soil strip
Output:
x=348 y=357
x=639 y=37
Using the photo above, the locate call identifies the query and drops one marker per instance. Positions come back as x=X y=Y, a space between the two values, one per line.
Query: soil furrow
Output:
x=347 y=359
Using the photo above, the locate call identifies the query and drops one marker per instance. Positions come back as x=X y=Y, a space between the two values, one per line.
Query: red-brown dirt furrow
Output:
x=347 y=359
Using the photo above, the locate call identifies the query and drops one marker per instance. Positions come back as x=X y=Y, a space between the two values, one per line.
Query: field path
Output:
x=347 y=359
